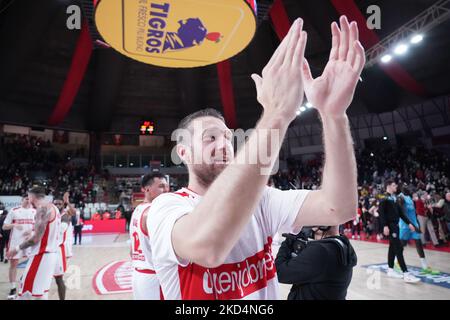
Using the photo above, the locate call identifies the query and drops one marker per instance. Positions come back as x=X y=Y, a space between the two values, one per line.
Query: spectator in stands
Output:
x=438 y=218
x=106 y=215
x=424 y=219
x=356 y=225
x=447 y=211
x=96 y=216
x=77 y=222
x=373 y=211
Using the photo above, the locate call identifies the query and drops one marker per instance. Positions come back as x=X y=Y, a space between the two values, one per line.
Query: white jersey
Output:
x=24 y=217
x=69 y=240
x=50 y=240
x=141 y=253
x=249 y=270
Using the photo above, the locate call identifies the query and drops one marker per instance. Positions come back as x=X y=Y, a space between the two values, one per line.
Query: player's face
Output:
x=158 y=187
x=32 y=199
x=25 y=202
x=392 y=188
x=59 y=204
x=211 y=149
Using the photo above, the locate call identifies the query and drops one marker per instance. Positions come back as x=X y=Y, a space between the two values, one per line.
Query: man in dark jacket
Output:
x=4 y=234
x=321 y=270
x=390 y=213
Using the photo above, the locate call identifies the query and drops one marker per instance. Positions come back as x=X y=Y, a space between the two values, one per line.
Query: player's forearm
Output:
x=339 y=175
x=28 y=243
x=228 y=204
x=71 y=209
x=7 y=227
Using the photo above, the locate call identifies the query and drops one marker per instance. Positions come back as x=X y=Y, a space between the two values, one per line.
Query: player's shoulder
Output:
x=16 y=209
x=170 y=198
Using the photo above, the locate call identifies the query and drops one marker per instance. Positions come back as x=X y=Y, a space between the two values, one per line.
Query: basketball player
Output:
x=145 y=283
x=37 y=277
x=213 y=239
x=390 y=214
x=20 y=221
x=407 y=205
x=67 y=211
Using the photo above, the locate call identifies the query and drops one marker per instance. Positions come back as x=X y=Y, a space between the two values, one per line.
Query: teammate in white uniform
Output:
x=213 y=240
x=20 y=221
x=145 y=282
x=67 y=211
x=37 y=277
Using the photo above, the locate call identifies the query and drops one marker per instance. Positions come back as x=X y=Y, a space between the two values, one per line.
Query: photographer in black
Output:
x=318 y=262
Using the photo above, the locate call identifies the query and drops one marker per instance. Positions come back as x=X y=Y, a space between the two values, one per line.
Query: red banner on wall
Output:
x=104 y=226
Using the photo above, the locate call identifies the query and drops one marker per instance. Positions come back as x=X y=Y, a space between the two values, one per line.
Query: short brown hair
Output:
x=37 y=191
x=208 y=112
x=388 y=182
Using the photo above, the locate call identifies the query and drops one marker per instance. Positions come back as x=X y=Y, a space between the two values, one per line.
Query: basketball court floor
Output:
x=100 y=270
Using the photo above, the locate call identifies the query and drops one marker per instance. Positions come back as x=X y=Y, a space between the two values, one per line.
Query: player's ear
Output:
x=182 y=152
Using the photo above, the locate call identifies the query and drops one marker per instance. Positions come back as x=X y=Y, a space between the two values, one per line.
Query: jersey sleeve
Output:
x=280 y=209
x=9 y=218
x=162 y=216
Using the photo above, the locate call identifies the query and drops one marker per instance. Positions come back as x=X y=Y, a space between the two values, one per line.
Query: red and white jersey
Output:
x=141 y=253
x=50 y=240
x=23 y=217
x=63 y=228
x=69 y=240
x=249 y=270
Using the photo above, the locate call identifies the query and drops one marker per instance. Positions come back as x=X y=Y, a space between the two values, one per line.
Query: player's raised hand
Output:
x=66 y=197
x=333 y=91
x=280 y=89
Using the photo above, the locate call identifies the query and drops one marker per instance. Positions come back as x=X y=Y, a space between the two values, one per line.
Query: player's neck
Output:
x=197 y=187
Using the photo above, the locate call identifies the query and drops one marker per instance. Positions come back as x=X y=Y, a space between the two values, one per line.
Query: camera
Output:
x=297 y=242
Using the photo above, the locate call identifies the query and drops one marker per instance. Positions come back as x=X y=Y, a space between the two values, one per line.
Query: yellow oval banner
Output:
x=177 y=33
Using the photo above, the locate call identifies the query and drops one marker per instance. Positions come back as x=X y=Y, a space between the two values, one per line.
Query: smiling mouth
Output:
x=224 y=161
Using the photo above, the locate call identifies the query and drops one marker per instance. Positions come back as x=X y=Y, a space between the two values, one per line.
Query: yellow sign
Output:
x=176 y=33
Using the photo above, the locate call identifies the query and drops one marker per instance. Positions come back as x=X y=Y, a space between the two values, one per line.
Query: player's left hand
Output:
x=412 y=227
x=66 y=197
x=332 y=92
x=11 y=253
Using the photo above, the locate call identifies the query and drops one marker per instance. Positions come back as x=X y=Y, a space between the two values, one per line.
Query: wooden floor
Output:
x=367 y=284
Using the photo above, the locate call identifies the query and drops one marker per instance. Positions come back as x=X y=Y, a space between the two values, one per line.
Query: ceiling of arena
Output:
x=116 y=93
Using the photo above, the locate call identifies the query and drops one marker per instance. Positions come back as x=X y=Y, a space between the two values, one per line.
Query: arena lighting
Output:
x=401 y=49
x=297 y=112
x=309 y=105
x=131 y=164
x=302 y=109
x=385 y=138
x=371 y=154
x=416 y=39
x=386 y=58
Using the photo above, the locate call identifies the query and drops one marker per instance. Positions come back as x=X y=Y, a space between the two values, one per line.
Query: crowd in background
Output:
x=425 y=172
x=25 y=160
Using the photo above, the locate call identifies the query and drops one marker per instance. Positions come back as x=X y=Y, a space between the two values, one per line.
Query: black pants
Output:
x=395 y=249
x=77 y=232
x=3 y=242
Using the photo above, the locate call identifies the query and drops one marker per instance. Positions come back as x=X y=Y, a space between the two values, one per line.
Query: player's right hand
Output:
x=18 y=226
x=386 y=231
x=280 y=89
